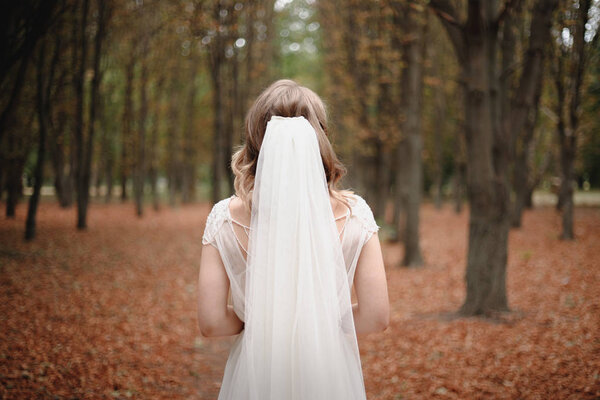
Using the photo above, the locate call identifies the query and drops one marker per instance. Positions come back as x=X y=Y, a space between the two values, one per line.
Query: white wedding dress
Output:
x=293 y=291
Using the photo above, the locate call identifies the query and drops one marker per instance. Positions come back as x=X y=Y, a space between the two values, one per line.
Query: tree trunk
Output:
x=401 y=190
x=140 y=167
x=488 y=140
x=14 y=186
x=218 y=173
x=63 y=172
x=569 y=80
x=521 y=169
x=488 y=229
x=153 y=146
x=188 y=193
x=126 y=132
x=82 y=198
x=412 y=76
x=15 y=94
x=41 y=154
x=438 y=137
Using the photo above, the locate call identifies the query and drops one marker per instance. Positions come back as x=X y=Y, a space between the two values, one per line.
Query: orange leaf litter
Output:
x=111 y=312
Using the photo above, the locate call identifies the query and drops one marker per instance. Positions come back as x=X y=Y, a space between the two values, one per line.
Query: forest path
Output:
x=111 y=312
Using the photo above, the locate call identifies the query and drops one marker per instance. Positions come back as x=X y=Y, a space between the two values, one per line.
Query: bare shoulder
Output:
x=239 y=211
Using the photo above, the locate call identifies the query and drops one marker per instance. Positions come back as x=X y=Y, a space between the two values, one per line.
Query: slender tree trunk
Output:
x=401 y=190
x=521 y=169
x=140 y=175
x=218 y=172
x=578 y=54
x=153 y=148
x=189 y=138
x=41 y=153
x=413 y=75
x=82 y=197
x=126 y=132
x=438 y=137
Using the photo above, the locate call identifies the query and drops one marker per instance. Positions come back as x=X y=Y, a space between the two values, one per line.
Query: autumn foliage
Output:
x=110 y=312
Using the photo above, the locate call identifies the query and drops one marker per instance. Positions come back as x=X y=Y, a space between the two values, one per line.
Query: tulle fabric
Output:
x=299 y=340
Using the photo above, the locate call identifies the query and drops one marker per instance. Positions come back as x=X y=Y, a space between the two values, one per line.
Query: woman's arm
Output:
x=372 y=313
x=215 y=317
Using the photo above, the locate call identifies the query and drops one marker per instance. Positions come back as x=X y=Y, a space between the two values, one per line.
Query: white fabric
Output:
x=293 y=293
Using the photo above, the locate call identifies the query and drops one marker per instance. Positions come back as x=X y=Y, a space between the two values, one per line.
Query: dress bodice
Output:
x=219 y=232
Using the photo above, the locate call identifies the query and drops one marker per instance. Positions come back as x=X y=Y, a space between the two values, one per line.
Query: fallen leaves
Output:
x=110 y=313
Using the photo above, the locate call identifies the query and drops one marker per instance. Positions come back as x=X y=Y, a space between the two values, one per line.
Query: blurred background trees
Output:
x=448 y=101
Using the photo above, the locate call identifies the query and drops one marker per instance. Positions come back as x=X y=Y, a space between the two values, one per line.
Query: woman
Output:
x=288 y=248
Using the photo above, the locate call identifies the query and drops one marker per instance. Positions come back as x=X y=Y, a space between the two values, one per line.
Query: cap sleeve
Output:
x=214 y=221
x=363 y=213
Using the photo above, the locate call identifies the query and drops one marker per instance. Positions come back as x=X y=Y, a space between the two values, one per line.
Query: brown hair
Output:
x=284 y=98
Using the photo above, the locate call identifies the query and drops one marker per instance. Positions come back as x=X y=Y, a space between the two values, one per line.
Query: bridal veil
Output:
x=299 y=340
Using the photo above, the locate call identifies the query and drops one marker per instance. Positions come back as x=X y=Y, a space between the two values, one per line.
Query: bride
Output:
x=280 y=258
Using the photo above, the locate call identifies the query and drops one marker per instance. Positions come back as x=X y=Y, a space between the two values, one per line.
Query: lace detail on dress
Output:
x=363 y=212
x=217 y=216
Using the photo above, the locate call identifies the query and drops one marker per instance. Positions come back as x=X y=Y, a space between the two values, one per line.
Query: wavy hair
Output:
x=284 y=98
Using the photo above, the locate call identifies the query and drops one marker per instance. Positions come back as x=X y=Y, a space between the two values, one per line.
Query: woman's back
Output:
x=228 y=226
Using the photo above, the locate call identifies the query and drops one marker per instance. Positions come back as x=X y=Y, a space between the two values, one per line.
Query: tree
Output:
x=43 y=97
x=411 y=106
x=84 y=144
x=572 y=45
x=488 y=132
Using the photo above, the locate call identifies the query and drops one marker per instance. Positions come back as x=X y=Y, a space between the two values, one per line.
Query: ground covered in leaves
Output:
x=110 y=313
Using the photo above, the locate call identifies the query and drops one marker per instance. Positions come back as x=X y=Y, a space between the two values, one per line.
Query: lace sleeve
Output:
x=364 y=214
x=215 y=220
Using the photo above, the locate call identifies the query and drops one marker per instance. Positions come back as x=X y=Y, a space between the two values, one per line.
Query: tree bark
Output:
x=126 y=132
x=42 y=105
x=140 y=165
x=412 y=76
x=216 y=60
x=82 y=198
x=568 y=104
x=488 y=142
x=521 y=171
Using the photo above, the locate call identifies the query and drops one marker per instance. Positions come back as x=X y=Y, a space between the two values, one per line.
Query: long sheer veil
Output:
x=299 y=340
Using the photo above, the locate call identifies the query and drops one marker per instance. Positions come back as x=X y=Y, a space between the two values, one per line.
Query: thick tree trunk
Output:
x=488 y=227
x=488 y=139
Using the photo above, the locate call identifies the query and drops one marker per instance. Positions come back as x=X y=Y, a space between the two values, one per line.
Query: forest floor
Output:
x=111 y=312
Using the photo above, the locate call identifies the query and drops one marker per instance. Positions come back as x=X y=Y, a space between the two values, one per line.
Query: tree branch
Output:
x=450 y=20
